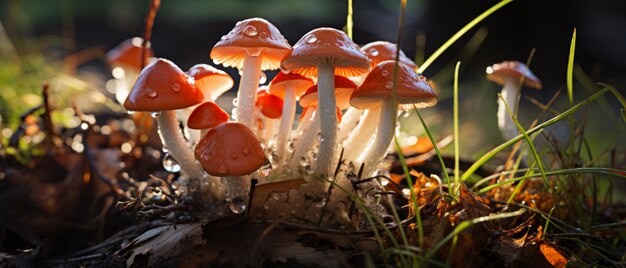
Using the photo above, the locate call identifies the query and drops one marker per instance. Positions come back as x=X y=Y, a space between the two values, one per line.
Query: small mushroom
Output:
x=206 y=116
x=376 y=93
x=230 y=150
x=511 y=75
x=252 y=45
x=125 y=62
x=162 y=88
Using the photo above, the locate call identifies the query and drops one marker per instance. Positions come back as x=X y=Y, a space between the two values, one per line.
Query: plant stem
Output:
x=176 y=145
x=246 y=95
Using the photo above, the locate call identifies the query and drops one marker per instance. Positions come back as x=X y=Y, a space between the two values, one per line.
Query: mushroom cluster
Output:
x=350 y=98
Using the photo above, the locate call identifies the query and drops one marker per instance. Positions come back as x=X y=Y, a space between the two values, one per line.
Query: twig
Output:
x=147 y=34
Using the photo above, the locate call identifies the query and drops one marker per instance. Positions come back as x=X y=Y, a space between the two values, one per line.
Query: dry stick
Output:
x=17 y=134
x=147 y=34
x=47 y=119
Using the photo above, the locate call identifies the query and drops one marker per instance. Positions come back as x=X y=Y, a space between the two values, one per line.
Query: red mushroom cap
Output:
x=380 y=51
x=378 y=85
x=343 y=89
x=162 y=86
x=207 y=115
x=128 y=53
x=271 y=105
x=326 y=45
x=282 y=81
x=211 y=81
x=254 y=36
x=230 y=149
x=513 y=69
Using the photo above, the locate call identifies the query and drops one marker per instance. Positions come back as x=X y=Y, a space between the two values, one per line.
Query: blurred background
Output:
x=42 y=35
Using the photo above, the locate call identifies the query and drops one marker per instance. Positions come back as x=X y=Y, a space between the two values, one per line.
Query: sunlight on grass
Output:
x=570 y=69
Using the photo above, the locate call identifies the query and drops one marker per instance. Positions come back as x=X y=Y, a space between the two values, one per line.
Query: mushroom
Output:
x=287 y=86
x=205 y=116
x=125 y=62
x=210 y=80
x=511 y=75
x=376 y=92
x=231 y=150
x=162 y=88
x=271 y=109
x=252 y=46
x=377 y=52
x=326 y=52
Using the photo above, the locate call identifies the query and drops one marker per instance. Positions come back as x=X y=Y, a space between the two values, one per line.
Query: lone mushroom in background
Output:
x=125 y=62
x=511 y=75
x=162 y=88
x=252 y=46
x=326 y=52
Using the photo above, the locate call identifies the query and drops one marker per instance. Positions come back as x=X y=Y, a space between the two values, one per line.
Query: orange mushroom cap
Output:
x=515 y=69
x=378 y=85
x=128 y=53
x=230 y=149
x=207 y=115
x=210 y=80
x=162 y=86
x=282 y=81
x=380 y=51
x=343 y=89
x=326 y=45
x=255 y=36
x=271 y=105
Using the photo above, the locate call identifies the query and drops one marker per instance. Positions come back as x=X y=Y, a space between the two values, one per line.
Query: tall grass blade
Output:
x=460 y=33
x=570 y=69
x=412 y=197
x=456 y=122
x=349 y=22
x=432 y=140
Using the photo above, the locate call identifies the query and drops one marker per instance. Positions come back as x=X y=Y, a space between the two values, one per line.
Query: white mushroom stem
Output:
x=173 y=139
x=289 y=111
x=385 y=132
x=349 y=121
x=246 y=95
x=270 y=126
x=236 y=187
x=362 y=134
x=510 y=94
x=308 y=139
x=326 y=105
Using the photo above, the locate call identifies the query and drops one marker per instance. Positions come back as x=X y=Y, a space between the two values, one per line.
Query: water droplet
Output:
x=266 y=168
x=311 y=39
x=320 y=137
x=250 y=31
x=405 y=113
x=130 y=112
x=155 y=115
x=170 y=164
x=233 y=156
x=223 y=37
x=374 y=52
x=290 y=146
x=238 y=23
x=245 y=151
x=237 y=205
x=302 y=161
x=84 y=126
x=263 y=78
x=389 y=85
x=384 y=73
x=206 y=156
x=223 y=169
x=176 y=87
x=322 y=202
x=308 y=169
x=152 y=93
x=235 y=102
x=275 y=195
